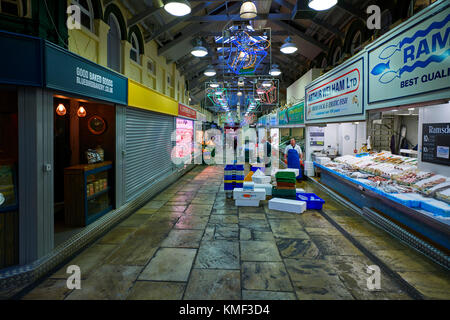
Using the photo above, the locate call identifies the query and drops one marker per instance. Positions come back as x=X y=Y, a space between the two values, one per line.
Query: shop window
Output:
x=134 y=53
x=11 y=7
x=337 y=56
x=114 y=44
x=356 y=43
x=87 y=13
x=151 y=67
x=169 y=81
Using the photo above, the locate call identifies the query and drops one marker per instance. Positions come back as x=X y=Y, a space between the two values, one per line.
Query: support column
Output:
x=36 y=222
x=102 y=29
x=120 y=155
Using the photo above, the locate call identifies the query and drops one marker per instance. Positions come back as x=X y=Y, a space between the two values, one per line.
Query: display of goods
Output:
x=444 y=195
x=438 y=187
x=430 y=182
x=376 y=179
x=409 y=178
x=359 y=175
x=331 y=165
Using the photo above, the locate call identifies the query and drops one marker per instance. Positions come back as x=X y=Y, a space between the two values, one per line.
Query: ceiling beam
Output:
x=177 y=21
x=301 y=34
x=310 y=16
x=193 y=30
x=142 y=16
x=352 y=10
x=236 y=17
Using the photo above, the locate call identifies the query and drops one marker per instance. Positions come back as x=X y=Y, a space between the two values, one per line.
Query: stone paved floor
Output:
x=190 y=242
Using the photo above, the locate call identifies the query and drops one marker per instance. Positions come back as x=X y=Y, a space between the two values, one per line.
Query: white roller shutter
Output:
x=148 y=149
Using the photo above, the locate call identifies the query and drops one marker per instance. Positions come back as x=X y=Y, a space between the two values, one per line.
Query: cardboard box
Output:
x=256 y=194
x=287 y=205
x=266 y=186
x=246 y=203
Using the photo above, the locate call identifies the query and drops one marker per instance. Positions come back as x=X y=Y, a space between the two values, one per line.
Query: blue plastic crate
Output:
x=229 y=177
x=313 y=202
x=239 y=177
x=239 y=185
x=230 y=167
x=239 y=167
x=229 y=187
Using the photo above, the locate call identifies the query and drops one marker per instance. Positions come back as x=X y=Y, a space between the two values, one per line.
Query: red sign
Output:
x=184 y=111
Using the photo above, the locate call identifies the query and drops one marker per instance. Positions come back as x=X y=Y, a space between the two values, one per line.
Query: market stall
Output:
x=419 y=200
x=404 y=178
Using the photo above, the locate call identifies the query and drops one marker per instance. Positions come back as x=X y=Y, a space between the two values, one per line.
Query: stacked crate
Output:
x=229 y=178
x=285 y=185
x=239 y=175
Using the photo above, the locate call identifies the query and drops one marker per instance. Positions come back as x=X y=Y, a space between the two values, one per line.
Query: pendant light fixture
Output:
x=248 y=10
x=288 y=47
x=199 y=50
x=214 y=85
x=275 y=70
x=81 y=112
x=241 y=82
x=61 y=110
x=239 y=94
x=321 y=5
x=267 y=84
x=210 y=72
x=177 y=7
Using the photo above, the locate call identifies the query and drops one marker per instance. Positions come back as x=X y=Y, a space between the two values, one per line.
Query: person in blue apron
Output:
x=293 y=156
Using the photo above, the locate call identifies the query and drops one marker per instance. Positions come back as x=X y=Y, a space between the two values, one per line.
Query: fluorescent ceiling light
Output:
x=411 y=109
x=288 y=47
x=199 y=51
x=248 y=10
x=210 y=72
x=275 y=71
x=320 y=5
x=177 y=7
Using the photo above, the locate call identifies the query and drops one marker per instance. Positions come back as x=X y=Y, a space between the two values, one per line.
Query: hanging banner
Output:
x=339 y=94
x=185 y=111
x=292 y=115
x=412 y=62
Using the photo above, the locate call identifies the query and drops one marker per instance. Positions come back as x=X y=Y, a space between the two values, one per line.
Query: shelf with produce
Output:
x=95 y=195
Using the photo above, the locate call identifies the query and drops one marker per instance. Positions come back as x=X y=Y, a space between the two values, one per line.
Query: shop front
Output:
x=21 y=75
x=150 y=121
x=185 y=134
x=401 y=175
x=291 y=125
x=85 y=96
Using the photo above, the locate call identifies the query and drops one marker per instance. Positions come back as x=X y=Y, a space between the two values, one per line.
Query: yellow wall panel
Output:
x=142 y=97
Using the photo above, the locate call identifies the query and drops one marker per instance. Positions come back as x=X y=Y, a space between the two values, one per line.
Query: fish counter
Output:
x=392 y=185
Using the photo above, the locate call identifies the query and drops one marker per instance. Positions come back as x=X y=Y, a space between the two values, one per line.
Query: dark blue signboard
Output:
x=71 y=73
x=20 y=59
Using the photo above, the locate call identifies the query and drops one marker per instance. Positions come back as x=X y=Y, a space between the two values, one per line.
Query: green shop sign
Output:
x=292 y=115
x=71 y=73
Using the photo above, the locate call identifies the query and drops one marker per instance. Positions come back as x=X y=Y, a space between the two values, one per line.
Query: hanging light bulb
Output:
x=210 y=72
x=214 y=84
x=199 y=50
x=239 y=94
x=241 y=82
x=61 y=110
x=267 y=84
x=321 y=5
x=177 y=7
x=81 y=112
x=248 y=10
x=288 y=47
x=275 y=71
